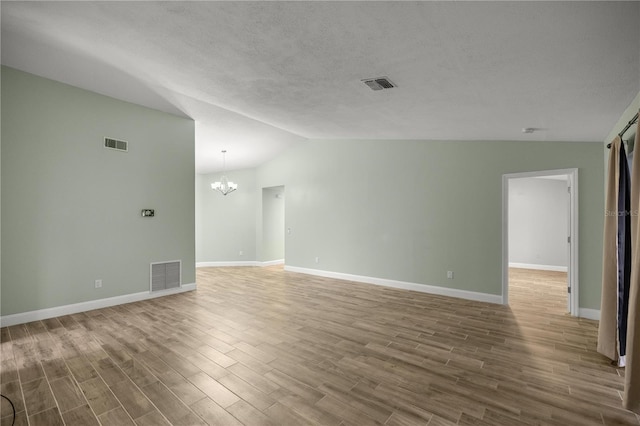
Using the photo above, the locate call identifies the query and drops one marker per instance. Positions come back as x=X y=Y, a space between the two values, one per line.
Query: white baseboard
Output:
x=272 y=262
x=239 y=263
x=592 y=314
x=423 y=288
x=40 y=314
x=538 y=267
x=223 y=264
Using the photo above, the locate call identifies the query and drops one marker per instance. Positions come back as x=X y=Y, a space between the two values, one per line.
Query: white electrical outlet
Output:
x=98 y=283
x=240 y=253
x=317 y=259
x=450 y=275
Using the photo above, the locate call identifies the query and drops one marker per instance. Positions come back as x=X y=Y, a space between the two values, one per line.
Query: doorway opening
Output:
x=273 y=221
x=540 y=235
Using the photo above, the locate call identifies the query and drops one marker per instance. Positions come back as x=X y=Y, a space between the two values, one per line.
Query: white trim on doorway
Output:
x=572 y=175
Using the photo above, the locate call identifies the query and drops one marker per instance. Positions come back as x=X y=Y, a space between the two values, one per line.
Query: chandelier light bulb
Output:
x=224 y=185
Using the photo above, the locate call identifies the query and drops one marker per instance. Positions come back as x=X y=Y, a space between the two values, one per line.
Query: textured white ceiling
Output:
x=260 y=76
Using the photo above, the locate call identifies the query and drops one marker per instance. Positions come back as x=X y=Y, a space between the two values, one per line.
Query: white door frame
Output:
x=572 y=269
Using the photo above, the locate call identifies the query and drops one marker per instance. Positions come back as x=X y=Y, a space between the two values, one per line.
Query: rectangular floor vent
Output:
x=165 y=275
x=116 y=144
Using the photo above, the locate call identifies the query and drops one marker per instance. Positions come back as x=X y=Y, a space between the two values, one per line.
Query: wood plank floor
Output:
x=260 y=346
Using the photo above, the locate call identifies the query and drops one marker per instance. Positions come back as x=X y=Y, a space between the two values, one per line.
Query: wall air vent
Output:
x=379 y=83
x=116 y=144
x=165 y=275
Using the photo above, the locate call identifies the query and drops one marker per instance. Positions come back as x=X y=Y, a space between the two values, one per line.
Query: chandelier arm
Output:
x=223 y=185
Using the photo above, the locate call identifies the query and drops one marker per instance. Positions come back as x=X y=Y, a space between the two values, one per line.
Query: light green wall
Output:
x=71 y=208
x=272 y=241
x=411 y=210
x=226 y=225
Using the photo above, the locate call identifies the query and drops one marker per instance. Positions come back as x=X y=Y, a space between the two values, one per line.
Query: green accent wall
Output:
x=71 y=208
x=412 y=210
x=273 y=230
x=226 y=224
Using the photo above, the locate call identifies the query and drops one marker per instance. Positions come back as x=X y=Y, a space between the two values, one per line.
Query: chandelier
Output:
x=224 y=186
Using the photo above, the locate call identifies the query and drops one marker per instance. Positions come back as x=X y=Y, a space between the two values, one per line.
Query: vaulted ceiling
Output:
x=258 y=77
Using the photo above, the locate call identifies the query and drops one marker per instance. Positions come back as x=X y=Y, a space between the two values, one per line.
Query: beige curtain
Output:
x=608 y=328
x=631 y=399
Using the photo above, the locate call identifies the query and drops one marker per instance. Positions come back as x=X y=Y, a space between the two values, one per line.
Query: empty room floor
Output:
x=538 y=291
x=261 y=346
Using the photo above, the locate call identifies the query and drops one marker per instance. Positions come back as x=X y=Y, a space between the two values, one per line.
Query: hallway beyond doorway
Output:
x=542 y=292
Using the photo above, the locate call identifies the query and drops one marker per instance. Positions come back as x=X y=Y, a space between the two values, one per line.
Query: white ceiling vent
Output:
x=116 y=144
x=379 y=83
